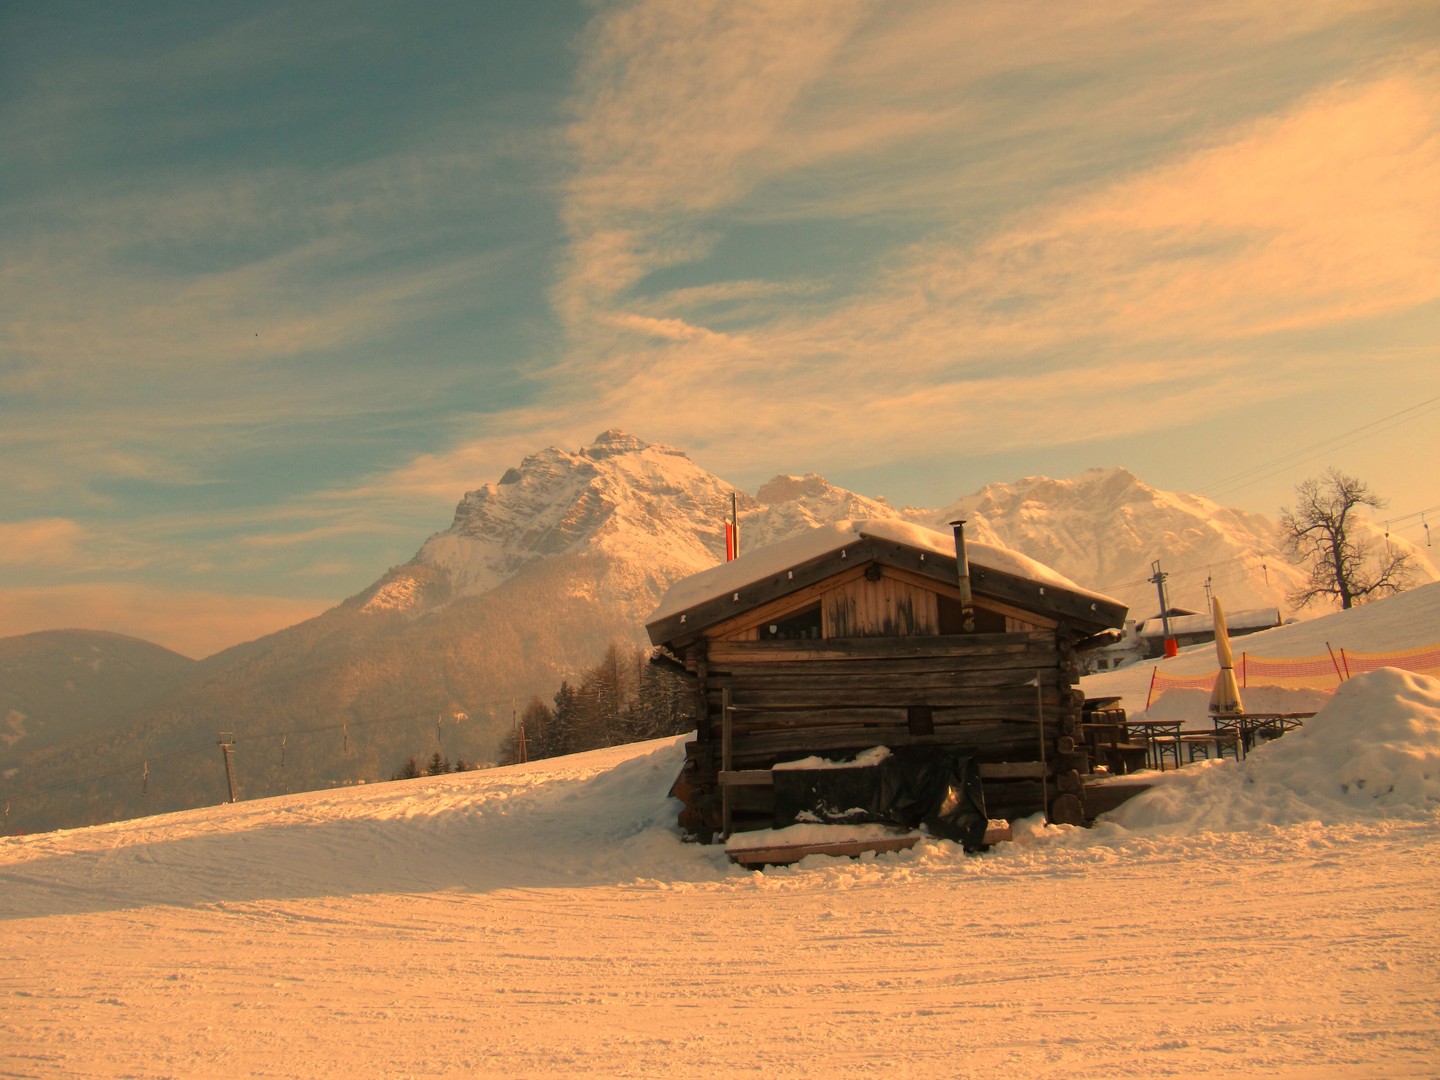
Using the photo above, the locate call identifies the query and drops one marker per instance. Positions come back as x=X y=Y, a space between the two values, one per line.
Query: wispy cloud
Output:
x=1150 y=272
x=151 y=335
x=237 y=271
x=676 y=109
x=1152 y=279
x=44 y=541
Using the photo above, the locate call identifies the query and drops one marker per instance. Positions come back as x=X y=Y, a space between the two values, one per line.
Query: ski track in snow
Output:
x=546 y=919
x=1251 y=919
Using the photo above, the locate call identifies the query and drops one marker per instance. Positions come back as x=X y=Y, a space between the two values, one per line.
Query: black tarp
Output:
x=910 y=787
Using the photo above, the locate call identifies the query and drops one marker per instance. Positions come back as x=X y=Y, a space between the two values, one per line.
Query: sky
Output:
x=279 y=283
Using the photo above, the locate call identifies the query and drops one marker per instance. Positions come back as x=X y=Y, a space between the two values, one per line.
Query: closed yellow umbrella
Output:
x=1226 y=695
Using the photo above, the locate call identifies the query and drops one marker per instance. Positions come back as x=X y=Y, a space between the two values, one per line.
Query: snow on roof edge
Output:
x=822 y=540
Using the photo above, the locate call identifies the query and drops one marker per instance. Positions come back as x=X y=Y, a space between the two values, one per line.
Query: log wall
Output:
x=976 y=694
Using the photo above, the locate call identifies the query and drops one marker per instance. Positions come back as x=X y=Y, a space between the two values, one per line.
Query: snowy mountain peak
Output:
x=789 y=488
x=1095 y=488
x=620 y=496
x=1104 y=528
x=614 y=441
x=787 y=505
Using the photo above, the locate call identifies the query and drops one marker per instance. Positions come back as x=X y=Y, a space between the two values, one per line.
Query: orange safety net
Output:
x=1160 y=683
x=1316 y=672
x=1323 y=672
x=1424 y=660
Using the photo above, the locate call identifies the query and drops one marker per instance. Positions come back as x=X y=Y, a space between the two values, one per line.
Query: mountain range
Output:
x=537 y=573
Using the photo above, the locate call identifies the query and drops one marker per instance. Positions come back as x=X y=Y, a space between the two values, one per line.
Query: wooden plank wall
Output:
x=888 y=608
x=976 y=694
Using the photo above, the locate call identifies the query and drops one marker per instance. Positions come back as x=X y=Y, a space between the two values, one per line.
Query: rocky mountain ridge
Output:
x=1105 y=528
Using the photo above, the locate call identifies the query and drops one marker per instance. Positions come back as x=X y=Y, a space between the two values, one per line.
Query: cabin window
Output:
x=921 y=719
x=800 y=626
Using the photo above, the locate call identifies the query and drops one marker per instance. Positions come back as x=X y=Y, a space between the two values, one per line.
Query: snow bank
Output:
x=1372 y=752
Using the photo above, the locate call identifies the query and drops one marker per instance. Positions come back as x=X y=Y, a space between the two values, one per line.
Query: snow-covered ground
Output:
x=1272 y=917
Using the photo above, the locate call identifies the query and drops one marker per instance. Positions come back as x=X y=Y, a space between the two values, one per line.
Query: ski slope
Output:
x=1274 y=917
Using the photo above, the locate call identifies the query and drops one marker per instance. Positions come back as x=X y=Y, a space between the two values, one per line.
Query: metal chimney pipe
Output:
x=962 y=568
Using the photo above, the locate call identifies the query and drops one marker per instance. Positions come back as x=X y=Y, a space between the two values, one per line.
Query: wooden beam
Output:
x=1012 y=770
x=995 y=742
x=734 y=628
x=1023 y=647
x=726 y=721
x=747 y=777
x=755 y=686
x=981 y=664
x=784 y=854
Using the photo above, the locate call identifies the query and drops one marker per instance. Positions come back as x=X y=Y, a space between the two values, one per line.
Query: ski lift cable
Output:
x=1295 y=457
x=120 y=771
x=1183 y=572
x=1286 y=467
x=1417 y=516
x=1335 y=442
x=372 y=722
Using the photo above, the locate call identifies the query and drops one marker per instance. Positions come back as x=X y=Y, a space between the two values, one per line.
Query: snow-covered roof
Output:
x=1250 y=619
x=765 y=562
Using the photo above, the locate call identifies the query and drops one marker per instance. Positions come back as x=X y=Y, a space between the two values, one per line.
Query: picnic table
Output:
x=1251 y=727
x=1162 y=738
x=1169 y=739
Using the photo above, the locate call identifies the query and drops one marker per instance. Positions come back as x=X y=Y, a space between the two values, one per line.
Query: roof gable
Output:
x=770 y=573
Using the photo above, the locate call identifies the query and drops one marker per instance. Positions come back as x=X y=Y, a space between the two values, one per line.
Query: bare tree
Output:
x=1321 y=534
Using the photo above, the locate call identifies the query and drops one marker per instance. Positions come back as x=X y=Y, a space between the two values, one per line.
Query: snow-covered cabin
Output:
x=881 y=633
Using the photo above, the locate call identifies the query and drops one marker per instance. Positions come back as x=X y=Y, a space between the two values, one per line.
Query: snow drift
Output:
x=1372 y=751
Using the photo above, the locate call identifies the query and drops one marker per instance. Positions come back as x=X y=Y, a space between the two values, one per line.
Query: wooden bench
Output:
x=1193 y=742
x=1201 y=742
x=1109 y=744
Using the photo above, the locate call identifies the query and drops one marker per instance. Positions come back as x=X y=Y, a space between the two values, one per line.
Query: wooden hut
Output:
x=881 y=633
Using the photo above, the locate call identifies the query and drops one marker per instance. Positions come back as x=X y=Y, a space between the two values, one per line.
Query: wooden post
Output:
x=735 y=521
x=699 y=655
x=227 y=746
x=726 y=765
x=1044 y=769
